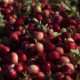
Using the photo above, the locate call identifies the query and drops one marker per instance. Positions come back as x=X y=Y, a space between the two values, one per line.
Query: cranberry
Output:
x=48 y=21
x=56 y=28
x=39 y=17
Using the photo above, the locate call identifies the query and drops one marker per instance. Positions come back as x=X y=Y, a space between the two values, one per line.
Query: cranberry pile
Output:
x=38 y=42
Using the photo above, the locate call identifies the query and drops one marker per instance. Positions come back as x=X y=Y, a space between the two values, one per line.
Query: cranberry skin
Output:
x=66 y=35
x=47 y=71
x=63 y=60
x=70 y=45
x=10 y=27
x=18 y=68
x=66 y=68
x=38 y=36
x=76 y=36
x=38 y=48
x=46 y=12
x=1 y=45
x=5 y=66
x=56 y=28
x=11 y=74
x=67 y=78
x=24 y=44
x=31 y=25
x=29 y=52
x=50 y=47
x=59 y=50
x=74 y=74
x=39 y=17
x=27 y=20
x=22 y=56
x=8 y=17
x=46 y=66
x=59 y=77
x=48 y=21
x=14 y=38
x=54 y=55
x=4 y=73
x=5 y=59
x=25 y=68
x=5 y=50
x=41 y=59
x=13 y=58
x=57 y=68
x=39 y=74
x=31 y=28
x=7 y=11
x=33 y=69
x=4 y=5
x=18 y=22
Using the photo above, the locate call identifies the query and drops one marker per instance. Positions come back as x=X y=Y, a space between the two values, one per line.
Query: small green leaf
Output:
x=28 y=8
x=75 y=55
x=64 y=30
x=57 y=33
x=69 y=30
x=73 y=51
x=46 y=25
x=67 y=8
x=77 y=50
x=34 y=19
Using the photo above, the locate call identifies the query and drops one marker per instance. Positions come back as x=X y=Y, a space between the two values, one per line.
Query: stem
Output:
x=35 y=41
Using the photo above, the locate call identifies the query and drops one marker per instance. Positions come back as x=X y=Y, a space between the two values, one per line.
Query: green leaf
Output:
x=77 y=50
x=28 y=8
x=64 y=30
x=46 y=25
x=34 y=19
x=57 y=33
x=67 y=8
x=73 y=51
x=75 y=55
x=69 y=30
x=78 y=62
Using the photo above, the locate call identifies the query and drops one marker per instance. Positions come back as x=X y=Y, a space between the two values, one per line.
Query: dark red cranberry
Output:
x=48 y=21
x=56 y=28
x=10 y=27
x=18 y=22
x=39 y=17
x=27 y=20
x=41 y=59
x=7 y=11
x=57 y=40
x=66 y=35
x=31 y=24
x=4 y=5
x=31 y=28
x=46 y=66
x=50 y=47
x=47 y=71
x=29 y=51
